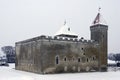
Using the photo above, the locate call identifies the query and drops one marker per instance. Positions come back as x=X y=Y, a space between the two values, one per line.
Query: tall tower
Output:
x=99 y=33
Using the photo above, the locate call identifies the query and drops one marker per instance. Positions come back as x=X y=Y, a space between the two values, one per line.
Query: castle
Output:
x=65 y=52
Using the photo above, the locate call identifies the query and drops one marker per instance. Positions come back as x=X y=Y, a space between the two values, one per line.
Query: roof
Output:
x=99 y=19
x=66 y=31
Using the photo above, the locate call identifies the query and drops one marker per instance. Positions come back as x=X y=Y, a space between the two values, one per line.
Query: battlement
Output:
x=44 y=37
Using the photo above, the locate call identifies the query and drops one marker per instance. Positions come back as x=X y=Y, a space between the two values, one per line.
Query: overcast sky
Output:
x=24 y=19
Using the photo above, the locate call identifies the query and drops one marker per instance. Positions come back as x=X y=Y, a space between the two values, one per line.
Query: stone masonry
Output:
x=65 y=52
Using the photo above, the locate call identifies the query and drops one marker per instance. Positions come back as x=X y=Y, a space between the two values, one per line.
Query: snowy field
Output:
x=9 y=73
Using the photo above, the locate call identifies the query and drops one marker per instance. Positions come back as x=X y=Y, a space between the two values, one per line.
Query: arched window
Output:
x=57 y=60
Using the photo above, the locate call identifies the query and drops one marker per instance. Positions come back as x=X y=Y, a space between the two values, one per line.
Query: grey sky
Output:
x=23 y=19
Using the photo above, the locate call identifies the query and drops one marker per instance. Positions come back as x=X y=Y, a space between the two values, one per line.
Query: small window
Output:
x=78 y=59
x=57 y=60
x=82 y=38
x=68 y=29
x=93 y=58
x=87 y=59
x=83 y=53
x=81 y=48
x=65 y=59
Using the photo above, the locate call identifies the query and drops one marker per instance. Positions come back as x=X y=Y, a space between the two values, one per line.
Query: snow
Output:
x=111 y=62
x=9 y=73
x=99 y=20
x=2 y=54
x=65 y=30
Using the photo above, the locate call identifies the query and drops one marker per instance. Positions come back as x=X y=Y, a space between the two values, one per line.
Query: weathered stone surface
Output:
x=39 y=56
x=45 y=54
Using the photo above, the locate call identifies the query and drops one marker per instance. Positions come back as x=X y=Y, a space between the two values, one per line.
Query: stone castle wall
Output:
x=45 y=54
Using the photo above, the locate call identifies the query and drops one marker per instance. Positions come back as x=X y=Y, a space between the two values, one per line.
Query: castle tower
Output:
x=99 y=33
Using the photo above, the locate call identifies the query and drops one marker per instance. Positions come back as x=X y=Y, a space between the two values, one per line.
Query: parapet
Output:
x=44 y=37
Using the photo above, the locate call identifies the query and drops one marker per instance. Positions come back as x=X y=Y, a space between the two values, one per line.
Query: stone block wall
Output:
x=45 y=54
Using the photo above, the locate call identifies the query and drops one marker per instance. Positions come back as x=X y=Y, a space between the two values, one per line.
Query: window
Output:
x=57 y=60
x=65 y=59
x=78 y=59
x=83 y=53
x=93 y=58
x=81 y=48
x=87 y=59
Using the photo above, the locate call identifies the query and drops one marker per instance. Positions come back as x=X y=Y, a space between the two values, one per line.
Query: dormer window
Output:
x=68 y=29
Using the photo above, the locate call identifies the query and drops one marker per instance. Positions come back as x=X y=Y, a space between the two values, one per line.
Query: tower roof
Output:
x=65 y=31
x=99 y=19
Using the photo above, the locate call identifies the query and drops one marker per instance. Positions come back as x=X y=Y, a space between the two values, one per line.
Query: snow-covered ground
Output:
x=9 y=73
x=111 y=62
